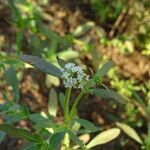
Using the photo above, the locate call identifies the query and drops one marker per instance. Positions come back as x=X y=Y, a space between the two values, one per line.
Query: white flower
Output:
x=80 y=86
x=65 y=75
x=73 y=76
x=62 y=70
x=75 y=81
x=79 y=77
x=77 y=69
x=74 y=69
x=69 y=65
x=87 y=77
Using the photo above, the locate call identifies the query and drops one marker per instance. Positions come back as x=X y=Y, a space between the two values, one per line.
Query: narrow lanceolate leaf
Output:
x=55 y=139
x=104 y=69
x=13 y=81
x=62 y=99
x=42 y=65
x=31 y=146
x=104 y=137
x=50 y=34
x=15 y=11
x=19 y=133
x=37 y=118
x=75 y=138
x=107 y=94
x=83 y=28
x=53 y=103
x=148 y=137
x=61 y=62
x=129 y=131
x=88 y=125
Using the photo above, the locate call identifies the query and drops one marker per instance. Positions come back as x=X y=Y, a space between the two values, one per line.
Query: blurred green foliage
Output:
x=124 y=25
x=107 y=10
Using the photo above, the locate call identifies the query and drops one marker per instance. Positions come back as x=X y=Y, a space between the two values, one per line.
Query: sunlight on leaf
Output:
x=84 y=138
x=51 y=80
x=52 y=103
x=104 y=69
x=83 y=28
x=104 y=137
x=129 y=131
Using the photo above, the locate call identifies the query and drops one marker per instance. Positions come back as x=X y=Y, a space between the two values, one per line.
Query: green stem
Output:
x=66 y=109
x=148 y=137
x=148 y=127
x=76 y=102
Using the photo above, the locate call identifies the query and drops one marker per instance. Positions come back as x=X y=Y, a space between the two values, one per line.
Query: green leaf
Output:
x=103 y=70
x=37 y=118
x=147 y=139
x=68 y=54
x=16 y=113
x=62 y=99
x=51 y=81
x=19 y=41
x=42 y=65
x=88 y=125
x=31 y=146
x=107 y=94
x=50 y=34
x=41 y=122
x=129 y=131
x=84 y=131
x=19 y=133
x=61 y=62
x=137 y=97
x=83 y=28
x=15 y=11
x=52 y=103
x=75 y=138
x=9 y=107
x=12 y=80
x=2 y=136
x=104 y=137
x=55 y=139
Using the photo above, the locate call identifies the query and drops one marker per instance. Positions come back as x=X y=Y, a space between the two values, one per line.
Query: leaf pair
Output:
x=53 y=70
x=57 y=137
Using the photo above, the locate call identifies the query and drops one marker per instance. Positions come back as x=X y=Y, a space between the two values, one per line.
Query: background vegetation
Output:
x=88 y=32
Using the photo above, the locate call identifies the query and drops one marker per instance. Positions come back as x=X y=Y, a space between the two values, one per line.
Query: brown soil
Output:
x=66 y=20
x=67 y=16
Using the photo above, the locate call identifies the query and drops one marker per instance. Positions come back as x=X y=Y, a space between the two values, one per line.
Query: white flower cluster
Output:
x=73 y=76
